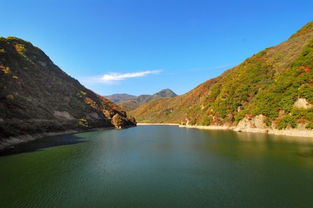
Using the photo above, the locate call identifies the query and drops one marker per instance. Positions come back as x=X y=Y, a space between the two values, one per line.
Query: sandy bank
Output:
x=157 y=124
x=207 y=127
x=284 y=132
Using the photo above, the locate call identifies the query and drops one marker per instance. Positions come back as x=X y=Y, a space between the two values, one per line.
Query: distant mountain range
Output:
x=131 y=102
x=120 y=97
x=38 y=97
x=273 y=89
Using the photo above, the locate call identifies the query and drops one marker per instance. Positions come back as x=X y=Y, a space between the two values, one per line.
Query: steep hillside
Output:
x=272 y=89
x=36 y=96
x=134 y=103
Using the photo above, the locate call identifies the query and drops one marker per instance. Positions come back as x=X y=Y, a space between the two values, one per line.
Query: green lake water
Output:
x=158 y=166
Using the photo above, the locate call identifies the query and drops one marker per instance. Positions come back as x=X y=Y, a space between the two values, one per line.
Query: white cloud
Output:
x=113 y=77
x=123 y=76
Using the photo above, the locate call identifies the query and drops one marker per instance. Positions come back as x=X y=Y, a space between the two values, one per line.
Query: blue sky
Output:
x=143 y=46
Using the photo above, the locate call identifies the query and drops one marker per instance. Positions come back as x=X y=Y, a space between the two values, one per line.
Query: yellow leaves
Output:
x=2 y=50
x=20 y=48
x=5 y=69
x=12 y=38
x=88 y=101
x=82 y=92
x=91 y=102
x=83 y=122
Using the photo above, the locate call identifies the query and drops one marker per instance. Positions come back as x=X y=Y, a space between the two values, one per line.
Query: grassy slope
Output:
x=268 y=83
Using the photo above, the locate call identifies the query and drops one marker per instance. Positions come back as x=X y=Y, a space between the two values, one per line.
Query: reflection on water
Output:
x=260 y=137
x=249 y=144
x=160 y=166
x=41 y=144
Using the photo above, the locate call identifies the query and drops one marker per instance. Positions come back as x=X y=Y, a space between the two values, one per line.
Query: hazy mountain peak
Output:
x=130 y=102
x=120 y=97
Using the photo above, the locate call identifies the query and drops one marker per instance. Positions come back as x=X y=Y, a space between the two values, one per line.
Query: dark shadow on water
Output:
x=42 y=143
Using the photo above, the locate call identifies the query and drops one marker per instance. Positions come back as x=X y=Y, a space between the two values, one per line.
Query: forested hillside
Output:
x=275 y=85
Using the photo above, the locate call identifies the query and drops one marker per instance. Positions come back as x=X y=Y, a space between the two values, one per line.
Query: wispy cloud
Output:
x=123 y=76
x=113 y=77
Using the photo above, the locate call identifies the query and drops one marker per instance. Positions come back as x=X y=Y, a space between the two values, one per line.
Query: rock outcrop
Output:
x=302 y=103
x=119 y=121
x=250 y=124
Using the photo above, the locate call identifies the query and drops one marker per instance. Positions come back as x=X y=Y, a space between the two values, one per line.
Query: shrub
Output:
x=206 y=121
x=287 y=121
x=83 y=122
x=20 y=48
x=5 y=69
x=309 y=125
x=306 y=91
x=240 y=116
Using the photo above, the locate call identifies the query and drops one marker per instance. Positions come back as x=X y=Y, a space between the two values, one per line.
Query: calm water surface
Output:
x=159 y=166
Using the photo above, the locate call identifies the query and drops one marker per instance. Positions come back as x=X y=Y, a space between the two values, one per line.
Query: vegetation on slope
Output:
x=36 y=96
x=268 y=83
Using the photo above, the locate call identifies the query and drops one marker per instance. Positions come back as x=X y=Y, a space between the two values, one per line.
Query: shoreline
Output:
x=157 y=124
x=285 y=132
x=307 y=134
x=10 y=142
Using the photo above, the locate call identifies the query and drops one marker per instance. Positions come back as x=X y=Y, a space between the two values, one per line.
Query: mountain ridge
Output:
x=269 y=84
x=38 y=97
x=118 y=97
x=136 y=101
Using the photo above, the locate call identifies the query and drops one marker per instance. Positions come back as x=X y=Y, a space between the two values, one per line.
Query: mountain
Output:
x=164 y=93
x=120 y=97
x=38 y=97
x=134 y=103
x=273 y=89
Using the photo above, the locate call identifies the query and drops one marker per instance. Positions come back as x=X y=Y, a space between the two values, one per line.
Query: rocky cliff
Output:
x=36 y=96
